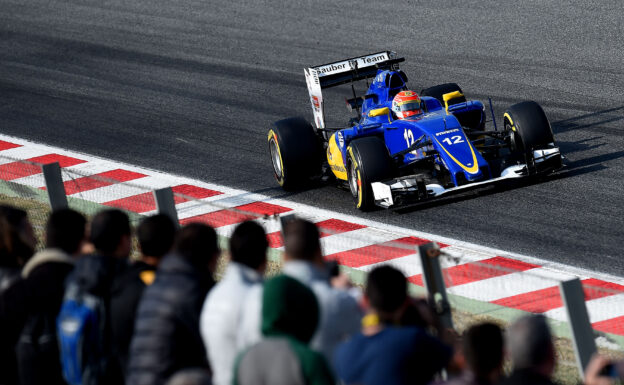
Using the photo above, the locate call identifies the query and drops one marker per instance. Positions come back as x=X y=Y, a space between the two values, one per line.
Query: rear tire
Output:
x=439 y=90
x=368 y=162
x=295 y=152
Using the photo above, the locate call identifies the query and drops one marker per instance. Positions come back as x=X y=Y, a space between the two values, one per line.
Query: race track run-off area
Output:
x=498 y=279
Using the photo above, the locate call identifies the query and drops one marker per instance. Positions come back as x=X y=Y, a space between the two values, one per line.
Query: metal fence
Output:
x=478 y=286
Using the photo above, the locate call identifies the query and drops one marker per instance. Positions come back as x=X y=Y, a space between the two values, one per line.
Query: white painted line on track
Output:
x=510 y=285
x=600 y=309
x=408 y=265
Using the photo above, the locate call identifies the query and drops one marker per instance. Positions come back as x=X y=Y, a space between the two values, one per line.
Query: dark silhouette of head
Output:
x=110 y=233
x=17 y=239
x=386 y=291
x=248 y=245
x=531 y=346
x=66 y=230
x=155 y=235
x=197 y=243
x=483 y=349
x=301 y=240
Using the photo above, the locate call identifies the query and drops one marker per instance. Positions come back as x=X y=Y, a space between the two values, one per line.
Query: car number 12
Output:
x=409 y=137
x=453 y=140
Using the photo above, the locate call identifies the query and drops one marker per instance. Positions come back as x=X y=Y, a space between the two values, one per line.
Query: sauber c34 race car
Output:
x=391 y=162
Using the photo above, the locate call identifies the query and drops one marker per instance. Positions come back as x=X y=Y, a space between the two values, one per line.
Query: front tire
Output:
x=295 y=152
x=368 y=162
x=529 y=126
x=530 y=130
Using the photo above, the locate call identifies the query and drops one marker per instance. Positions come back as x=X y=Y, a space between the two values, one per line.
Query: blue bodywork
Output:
x=447 y=141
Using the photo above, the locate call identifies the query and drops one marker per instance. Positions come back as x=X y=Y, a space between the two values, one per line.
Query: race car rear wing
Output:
x=342 y=72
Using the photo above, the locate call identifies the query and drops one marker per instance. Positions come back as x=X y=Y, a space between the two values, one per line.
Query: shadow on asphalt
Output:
x=580 y=145
x=590 y=120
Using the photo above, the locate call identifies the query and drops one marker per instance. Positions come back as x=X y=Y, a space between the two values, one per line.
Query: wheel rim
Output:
x=353 y=180
x=275 y=158
x=516 y=142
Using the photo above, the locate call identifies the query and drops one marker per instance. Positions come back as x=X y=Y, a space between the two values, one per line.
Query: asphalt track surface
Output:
x=190 y=87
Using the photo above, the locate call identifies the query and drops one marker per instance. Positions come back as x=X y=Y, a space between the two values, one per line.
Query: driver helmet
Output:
x=406 y=104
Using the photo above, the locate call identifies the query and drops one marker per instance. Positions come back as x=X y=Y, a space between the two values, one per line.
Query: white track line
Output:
x=510 y=285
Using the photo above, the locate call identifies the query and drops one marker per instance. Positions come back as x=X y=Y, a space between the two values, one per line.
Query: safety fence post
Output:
x=165 y=203
x=54 y=186
x=582 y=332
x=434 y=282
x=284 y=219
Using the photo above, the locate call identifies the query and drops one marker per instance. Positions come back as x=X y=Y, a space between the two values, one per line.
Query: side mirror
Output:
x=378 y=112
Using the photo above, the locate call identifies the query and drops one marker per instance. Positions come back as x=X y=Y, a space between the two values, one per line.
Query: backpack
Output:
x=80 y=328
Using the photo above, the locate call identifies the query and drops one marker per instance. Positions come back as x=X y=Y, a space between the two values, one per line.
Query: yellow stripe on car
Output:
x=475 y=165
x=334 y=158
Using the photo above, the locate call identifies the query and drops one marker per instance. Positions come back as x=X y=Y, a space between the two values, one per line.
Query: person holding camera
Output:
x=603 y=371
x=391 y=348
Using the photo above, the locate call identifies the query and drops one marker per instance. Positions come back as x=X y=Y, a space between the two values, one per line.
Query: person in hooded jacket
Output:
x=220 y=317
x=155 y=236
x=41 y=294
x=110 y=234
x=290 y=316
x=340 y=312
x=17 y=244
x=166 y=335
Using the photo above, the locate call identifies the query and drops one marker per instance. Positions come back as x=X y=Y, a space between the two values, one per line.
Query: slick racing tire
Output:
x=439 y=90
x=528 y=126
x=368 y=162
x=295 y=152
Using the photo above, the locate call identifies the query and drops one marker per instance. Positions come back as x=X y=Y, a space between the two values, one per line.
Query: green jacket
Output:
x=290 y=316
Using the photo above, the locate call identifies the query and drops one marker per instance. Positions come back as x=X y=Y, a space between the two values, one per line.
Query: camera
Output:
x=609 y=370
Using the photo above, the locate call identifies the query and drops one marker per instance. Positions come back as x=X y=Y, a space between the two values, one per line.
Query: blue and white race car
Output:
x=389 y=160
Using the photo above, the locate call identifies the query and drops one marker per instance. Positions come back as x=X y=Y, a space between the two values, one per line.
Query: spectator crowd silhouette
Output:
x=81 y=311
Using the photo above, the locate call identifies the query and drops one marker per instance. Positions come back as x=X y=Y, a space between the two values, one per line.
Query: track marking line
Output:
x=8 y=145
x=102 y=179
x=240 y=214
x=478 y=271
x=328 y=227
x=396 y=248
x=16 y=170
x=540 y=301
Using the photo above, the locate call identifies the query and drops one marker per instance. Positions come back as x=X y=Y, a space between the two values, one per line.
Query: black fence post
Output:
x=54 y=186
x=434 y=282
x=582 y=331
x=165 y=204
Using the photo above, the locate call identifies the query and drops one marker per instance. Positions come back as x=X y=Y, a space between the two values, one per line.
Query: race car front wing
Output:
x=412 y=189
